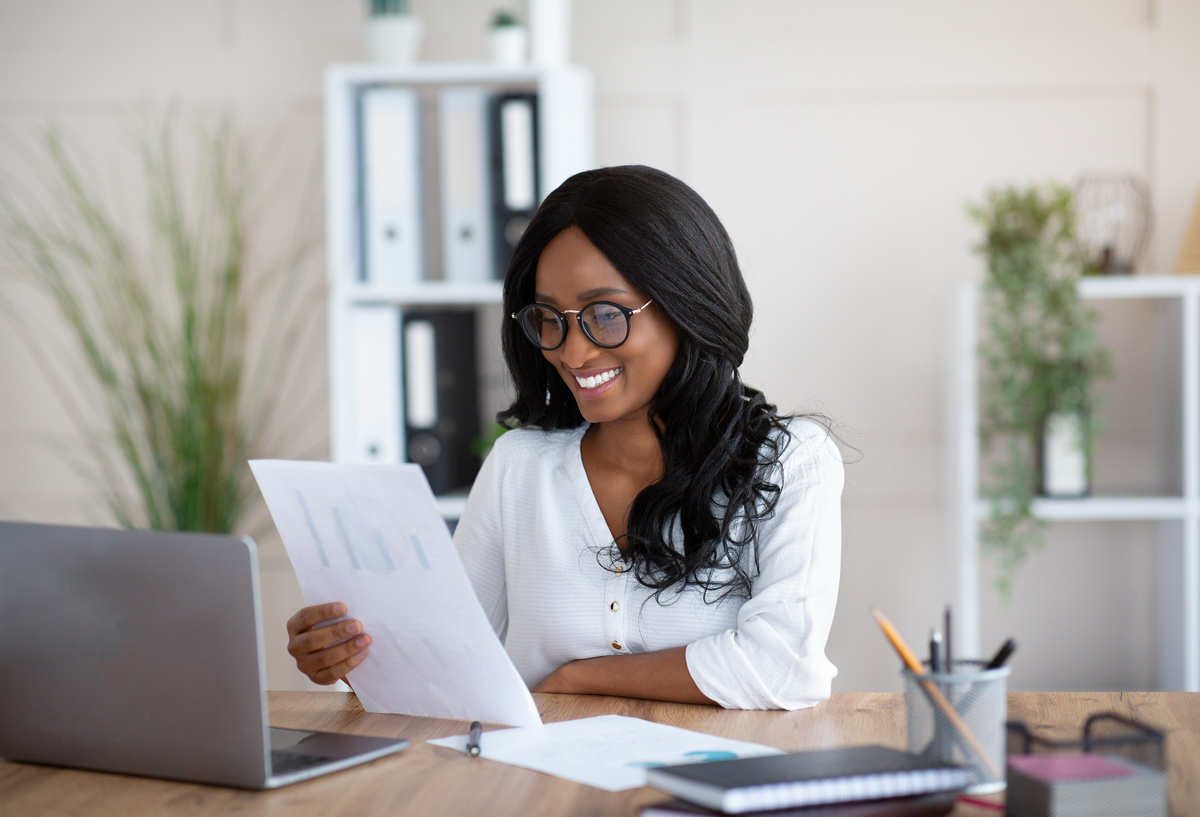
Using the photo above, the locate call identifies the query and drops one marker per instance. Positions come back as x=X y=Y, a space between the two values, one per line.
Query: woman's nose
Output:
x=577 y=350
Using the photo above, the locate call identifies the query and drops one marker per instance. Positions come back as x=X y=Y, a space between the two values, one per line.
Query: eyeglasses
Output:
x=606 y=324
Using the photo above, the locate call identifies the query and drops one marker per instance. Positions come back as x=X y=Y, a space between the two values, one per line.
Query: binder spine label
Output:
x=390 y=186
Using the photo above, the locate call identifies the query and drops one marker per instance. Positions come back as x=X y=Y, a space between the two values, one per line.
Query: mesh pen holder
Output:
x=958 y=716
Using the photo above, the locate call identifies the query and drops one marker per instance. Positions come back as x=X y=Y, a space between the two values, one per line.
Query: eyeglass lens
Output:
x=604 y=323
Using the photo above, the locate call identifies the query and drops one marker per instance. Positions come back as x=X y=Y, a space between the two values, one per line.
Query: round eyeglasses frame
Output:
x=519 y=317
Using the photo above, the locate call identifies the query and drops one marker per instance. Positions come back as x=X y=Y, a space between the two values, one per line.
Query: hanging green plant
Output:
x=172 y=398
x=1039 y=356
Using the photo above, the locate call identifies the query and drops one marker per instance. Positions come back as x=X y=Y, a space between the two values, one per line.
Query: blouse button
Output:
x=615 y=606
x=616 y=645
x=619 y=570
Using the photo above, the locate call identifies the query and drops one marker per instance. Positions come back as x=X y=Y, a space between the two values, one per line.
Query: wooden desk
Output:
x=430 y=780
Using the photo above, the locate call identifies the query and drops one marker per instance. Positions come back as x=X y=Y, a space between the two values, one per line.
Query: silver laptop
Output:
x=141 y=652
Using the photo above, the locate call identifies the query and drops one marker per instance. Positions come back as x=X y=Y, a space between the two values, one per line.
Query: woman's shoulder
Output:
x=808 y=430
x=520 y=443
x=809 y=443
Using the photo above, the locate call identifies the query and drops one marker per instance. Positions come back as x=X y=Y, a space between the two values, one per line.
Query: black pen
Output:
x=473 y=739
x=949 y=641
x=1002 y=654
x=935 y=651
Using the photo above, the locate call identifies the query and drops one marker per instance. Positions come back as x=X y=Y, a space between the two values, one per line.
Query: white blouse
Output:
x=542 y=561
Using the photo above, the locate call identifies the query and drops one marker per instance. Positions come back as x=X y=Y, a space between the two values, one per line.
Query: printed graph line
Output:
x=337 y=517
x=416 y=543
x=312 y=527
x=383 y=550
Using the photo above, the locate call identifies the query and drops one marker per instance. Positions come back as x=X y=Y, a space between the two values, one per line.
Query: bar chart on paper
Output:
x=371 y=536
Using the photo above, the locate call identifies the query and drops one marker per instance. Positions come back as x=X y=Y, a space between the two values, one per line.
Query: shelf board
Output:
x=434 y=73
x=1105 y=508
x=451 y=506
x=1138 y=286
x=427 y=293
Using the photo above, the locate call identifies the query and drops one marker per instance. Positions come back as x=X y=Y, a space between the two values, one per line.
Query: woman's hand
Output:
x=326 y=653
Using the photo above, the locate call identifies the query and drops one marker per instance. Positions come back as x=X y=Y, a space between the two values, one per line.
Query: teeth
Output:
x=595 y=380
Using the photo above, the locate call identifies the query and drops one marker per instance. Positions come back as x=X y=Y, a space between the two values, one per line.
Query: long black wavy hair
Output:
x=720 y=457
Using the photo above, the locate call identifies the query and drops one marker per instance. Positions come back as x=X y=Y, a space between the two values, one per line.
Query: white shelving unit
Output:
x=1178 y=516
x=565 y=137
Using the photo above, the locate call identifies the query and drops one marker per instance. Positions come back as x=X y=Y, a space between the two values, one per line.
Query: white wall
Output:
x=95 y=68
x=839 y=142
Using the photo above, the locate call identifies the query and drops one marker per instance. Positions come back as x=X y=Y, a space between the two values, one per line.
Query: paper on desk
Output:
x=609 y=752
x=371 y=536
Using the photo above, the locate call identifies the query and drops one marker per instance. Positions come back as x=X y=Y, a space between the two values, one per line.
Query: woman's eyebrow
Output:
x=586 y=295
x=601 y=292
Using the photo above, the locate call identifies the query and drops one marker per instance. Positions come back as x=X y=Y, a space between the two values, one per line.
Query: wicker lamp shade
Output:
x=1114 y=217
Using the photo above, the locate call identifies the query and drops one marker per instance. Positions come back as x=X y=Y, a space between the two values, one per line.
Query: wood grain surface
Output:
x=430 y=780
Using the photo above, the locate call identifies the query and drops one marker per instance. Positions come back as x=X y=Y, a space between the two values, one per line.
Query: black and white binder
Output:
x=441 y=405
x=466 y=215
x=514 y=176
x=391 y=186
x=375 y=414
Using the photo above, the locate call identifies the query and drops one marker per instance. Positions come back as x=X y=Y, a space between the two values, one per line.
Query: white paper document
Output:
x=371 y=536
x=609 y=752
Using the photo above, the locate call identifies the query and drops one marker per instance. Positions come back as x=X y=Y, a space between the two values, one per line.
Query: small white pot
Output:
x=509 y=45
x=393 y=39
x=1064 y=455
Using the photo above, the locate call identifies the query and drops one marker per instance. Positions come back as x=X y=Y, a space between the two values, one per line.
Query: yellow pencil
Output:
x=931 y=689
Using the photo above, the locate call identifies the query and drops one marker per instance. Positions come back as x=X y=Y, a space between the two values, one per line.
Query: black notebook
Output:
x=806 y=778
x=918 y=805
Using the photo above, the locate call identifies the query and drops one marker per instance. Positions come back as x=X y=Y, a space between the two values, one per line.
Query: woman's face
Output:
x=608 y=384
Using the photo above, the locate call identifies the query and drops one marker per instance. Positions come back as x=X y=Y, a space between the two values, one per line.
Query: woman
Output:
x=653 y=528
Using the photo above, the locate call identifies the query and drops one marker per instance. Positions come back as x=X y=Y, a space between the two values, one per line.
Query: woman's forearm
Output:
x=658 y=676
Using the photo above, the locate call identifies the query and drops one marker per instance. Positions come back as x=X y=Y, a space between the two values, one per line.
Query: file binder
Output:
x=390 y=186
x=466 y=217
x=442 y=406
x=374 y=334
x=514 y=176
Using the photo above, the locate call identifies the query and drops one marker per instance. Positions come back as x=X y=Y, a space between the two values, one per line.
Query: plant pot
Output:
x=393 y=39
x=509 y=45
x=1062 y=455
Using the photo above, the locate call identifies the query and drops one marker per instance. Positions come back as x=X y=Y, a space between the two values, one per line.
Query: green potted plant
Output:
x=508 y=40
x=391 y=34
x=1040 y=362
x=171 y=398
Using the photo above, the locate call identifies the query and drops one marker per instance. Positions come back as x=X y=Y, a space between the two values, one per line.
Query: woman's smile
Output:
x=591 y=383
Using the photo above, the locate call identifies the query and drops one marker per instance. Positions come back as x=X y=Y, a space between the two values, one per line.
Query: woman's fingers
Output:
x=325 y=651
x=321 y=638
x=308 y=617
x=335 y=672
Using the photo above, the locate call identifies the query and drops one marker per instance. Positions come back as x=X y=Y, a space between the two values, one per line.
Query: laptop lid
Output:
x=136 y=652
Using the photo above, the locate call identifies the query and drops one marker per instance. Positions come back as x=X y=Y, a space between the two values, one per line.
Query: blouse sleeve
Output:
x=479 y=540
x=775 y=657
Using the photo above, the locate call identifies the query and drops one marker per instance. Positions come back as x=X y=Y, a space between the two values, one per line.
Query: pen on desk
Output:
x=935 y=651
x=948 y=641
x=975 y=801
x=933 y=692
x=1002 y=654
x=473 y=739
